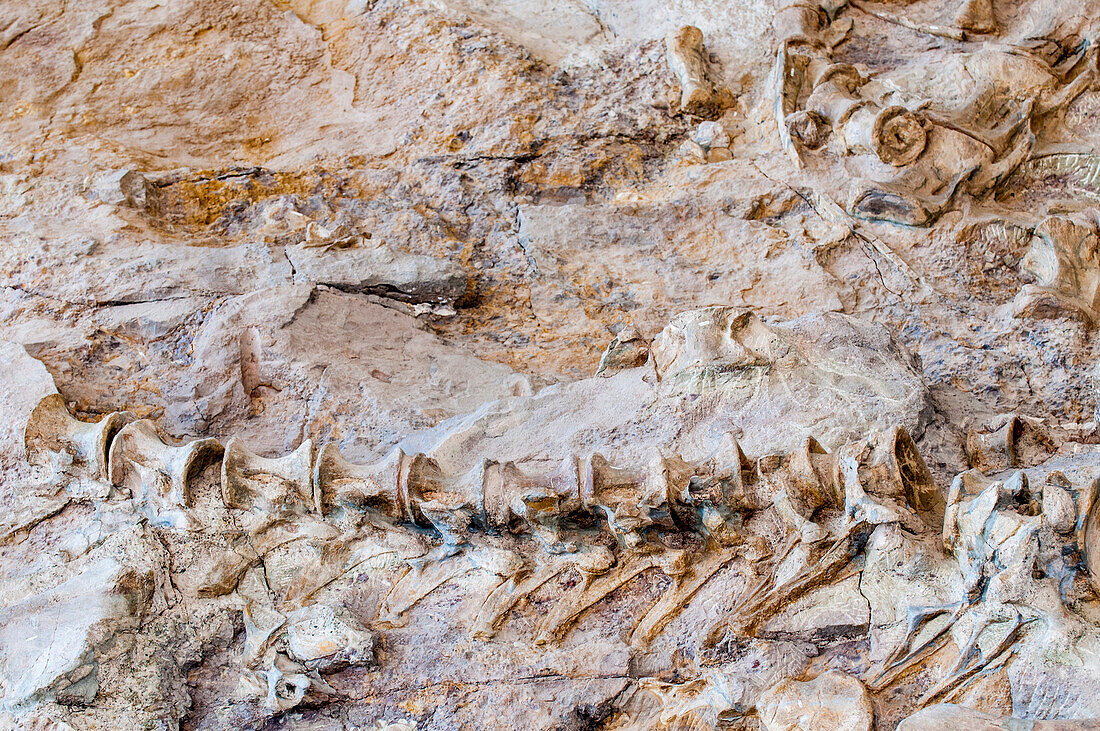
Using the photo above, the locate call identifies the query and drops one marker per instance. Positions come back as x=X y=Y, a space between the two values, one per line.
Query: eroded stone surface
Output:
x=604 y=364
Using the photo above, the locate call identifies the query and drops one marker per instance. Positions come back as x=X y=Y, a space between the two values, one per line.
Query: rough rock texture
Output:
x=497 y=364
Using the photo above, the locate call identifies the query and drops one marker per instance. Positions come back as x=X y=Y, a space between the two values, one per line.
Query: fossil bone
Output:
x=339 y=482
x=1059 y=509
x=972 y=659
x=53 y=433
x=157 y=474
x=522 y=581
x=687 y=577
x=667 y=494
x=1087 y=530
x=885 y=466
x=976 y=16
x=1064 y=258
x=664 y=494
x=1017 y=442
x=895 y=134
x=328 y=639
x=996 y=531
x=907 y=158
x=280 y=683
x=799 y=21
x=423 y=576
x=597 y=584
x=686 y=58
x=838 y=701
x=277 y=487
x=814 y=564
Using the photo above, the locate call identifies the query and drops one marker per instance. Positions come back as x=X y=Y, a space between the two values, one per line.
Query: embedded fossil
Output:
x=894 y=134
x=52 y=433
x=287 y=656
x=687 y=59
x=880 y=479
x=1064 y=258
x=906 y=157
x=701 y=703
x=328 y=639
x=274 y=487
x=831 y=700
x=828 y=505
x=667 y=494
x=1007 y=537
x=838 y=700
x=157 y=474
x=434 y=517
x=1016 y=442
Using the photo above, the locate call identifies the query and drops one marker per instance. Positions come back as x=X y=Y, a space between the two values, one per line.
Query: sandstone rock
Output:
x=832 y=700
x=380 y=271
x=50 y=640
x=277 y=345
x=768 y=385
x=947 y=715
x=104 y=272
x=651 y=260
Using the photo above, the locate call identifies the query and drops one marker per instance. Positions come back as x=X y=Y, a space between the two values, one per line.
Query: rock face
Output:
x=496 y=363
x=831 y=700
x=50 y=639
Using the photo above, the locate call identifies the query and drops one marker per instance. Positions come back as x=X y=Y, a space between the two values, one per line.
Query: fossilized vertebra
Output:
x=686 y=58
x=1016 y=442
x=52 y=431
x=906 y=157
x=275 y=487
x=157 y=474
x=340 y=482
x=666 y=493
x=893 y=133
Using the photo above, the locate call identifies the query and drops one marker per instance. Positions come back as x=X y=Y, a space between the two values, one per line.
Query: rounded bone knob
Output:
x=809 y=128
x=895 y=134
x=899 y=137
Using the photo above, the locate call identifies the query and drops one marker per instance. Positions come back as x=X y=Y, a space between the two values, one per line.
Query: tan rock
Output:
x=832 y=700
x=946 y=715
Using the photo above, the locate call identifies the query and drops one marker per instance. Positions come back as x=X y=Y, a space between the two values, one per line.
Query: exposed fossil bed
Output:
x=562 y=364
